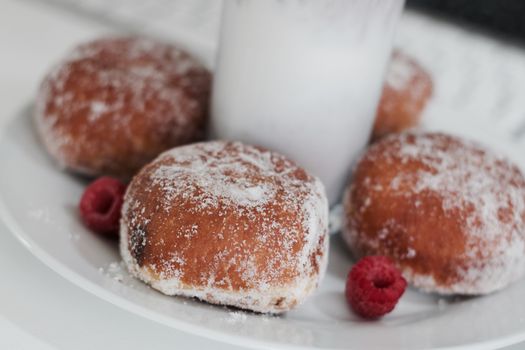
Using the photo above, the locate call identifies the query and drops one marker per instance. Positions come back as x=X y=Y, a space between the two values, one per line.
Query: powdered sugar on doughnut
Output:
x=468 y=175
x=401 y=71
x=485 y=188
x=199 y=170
x=112 y=84
x=406 y=74
x=407 y=89
x=281 y=213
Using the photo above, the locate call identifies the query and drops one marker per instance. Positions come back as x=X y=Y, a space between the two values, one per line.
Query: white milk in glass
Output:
x=303 y=77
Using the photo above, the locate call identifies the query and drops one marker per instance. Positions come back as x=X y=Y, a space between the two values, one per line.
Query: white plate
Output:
x=39 y=204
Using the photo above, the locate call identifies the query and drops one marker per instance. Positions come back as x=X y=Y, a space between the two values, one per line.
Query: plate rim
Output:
x=85 y=284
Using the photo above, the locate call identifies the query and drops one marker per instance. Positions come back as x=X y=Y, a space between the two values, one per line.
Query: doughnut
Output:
x=407 y=89
x=449 y=212
x=226 y=223
x=114 y=104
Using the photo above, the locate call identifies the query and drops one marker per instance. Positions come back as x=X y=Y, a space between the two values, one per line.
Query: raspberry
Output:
x=374 y=286
x=100 y=205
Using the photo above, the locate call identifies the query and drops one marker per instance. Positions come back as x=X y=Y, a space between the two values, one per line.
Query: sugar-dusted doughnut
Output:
x=227 y=223
x=449 y=212
x=407 y=89
x=114 y=104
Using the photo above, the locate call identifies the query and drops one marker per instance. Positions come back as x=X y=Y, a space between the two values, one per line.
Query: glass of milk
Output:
x=303 y=77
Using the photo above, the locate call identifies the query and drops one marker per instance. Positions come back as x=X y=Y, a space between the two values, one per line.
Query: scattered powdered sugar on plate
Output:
x=236 y=317
x=115 y=270
x=41 y=214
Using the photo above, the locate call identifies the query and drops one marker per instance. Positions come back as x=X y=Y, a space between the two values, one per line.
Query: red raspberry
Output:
x=374 y=286
x=100 y=205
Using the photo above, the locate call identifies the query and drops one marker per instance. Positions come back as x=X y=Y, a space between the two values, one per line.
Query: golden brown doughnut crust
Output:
x=407 y=89
x=228 y=223
x=449 y=212
x=114 y=104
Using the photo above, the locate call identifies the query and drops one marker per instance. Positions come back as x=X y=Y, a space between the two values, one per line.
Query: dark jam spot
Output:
x=279 y=302
x=137 y=241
